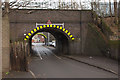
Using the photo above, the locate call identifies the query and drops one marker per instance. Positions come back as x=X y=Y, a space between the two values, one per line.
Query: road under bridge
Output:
x=74 y=38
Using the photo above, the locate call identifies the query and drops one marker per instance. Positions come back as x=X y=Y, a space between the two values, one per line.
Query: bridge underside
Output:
x=62 y=40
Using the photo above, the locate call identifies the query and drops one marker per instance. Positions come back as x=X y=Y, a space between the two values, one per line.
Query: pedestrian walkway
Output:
x=97 y=61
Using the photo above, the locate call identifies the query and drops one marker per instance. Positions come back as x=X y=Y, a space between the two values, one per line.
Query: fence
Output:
x=19 y=54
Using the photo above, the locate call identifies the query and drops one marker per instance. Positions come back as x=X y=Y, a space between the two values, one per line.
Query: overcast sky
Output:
x=67 y=0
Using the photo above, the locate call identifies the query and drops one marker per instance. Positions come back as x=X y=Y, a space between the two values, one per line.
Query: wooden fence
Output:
x=19 y=55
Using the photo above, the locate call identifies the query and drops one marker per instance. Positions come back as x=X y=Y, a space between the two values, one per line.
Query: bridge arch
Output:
x=40 y=28
x=62 y=36
x=42 y=35
x=45 y=37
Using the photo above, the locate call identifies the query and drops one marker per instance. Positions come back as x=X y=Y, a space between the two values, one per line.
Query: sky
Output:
x=65 y=0
x=85 y=3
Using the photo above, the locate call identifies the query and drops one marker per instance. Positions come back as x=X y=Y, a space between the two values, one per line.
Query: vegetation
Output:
x=97 y=32
x=98 y=38
x=106 y=28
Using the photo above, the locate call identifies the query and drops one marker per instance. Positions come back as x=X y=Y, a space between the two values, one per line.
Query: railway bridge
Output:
x=73 y=38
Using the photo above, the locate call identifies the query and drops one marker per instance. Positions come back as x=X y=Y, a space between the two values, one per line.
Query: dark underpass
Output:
x=62 y=39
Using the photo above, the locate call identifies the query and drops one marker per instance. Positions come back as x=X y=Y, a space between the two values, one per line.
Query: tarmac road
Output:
x=49 y=65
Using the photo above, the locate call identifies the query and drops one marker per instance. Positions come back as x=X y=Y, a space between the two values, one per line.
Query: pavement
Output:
x=101 y=62
x=49 y=65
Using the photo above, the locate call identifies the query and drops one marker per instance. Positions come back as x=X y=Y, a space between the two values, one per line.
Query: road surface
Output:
x=49 y=65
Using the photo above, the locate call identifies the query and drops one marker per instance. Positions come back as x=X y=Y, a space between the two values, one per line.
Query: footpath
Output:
x=101 y=62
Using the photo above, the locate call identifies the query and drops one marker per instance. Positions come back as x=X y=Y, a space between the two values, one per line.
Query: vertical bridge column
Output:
x=5 y=43
x=0 y=42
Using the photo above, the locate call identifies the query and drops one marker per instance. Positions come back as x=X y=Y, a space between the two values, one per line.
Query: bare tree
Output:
x=6 y=8
x=119 y=16
x=81 y=5
x=110 y=8
x=92 y=5
x=95 y=5
x=15 y=4
x=99 y=10
x=110 y=11
x=115 y=11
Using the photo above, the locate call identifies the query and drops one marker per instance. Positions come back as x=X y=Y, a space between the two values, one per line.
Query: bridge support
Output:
x=5 y=44
x=0 y=44
x=74 y=47
x=62 y=47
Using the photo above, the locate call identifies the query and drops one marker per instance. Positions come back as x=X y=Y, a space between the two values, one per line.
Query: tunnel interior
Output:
x=62 y=40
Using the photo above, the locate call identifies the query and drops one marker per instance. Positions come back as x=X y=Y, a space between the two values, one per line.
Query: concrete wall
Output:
x=5 y=44
x=0 y=44
x=114 y=49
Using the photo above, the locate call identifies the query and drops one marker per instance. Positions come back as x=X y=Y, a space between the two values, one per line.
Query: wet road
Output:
x=49 y=65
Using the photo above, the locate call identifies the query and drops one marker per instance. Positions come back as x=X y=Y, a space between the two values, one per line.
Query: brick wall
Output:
x=75 y=21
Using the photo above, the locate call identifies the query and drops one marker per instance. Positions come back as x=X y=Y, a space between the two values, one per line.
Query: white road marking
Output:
x=32 y=74
x=39 y=53
x=57 y=56
x=45 y=50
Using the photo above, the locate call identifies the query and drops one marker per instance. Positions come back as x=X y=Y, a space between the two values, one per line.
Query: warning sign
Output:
x=49 y=22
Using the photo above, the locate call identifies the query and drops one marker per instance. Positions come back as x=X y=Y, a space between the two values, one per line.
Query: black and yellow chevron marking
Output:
x=49 y=26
